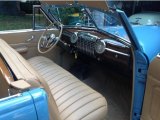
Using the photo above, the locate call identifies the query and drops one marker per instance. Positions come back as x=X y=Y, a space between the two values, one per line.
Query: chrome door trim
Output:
x=23 y=30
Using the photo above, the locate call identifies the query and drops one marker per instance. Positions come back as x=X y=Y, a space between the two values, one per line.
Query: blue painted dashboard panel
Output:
x=24 y=106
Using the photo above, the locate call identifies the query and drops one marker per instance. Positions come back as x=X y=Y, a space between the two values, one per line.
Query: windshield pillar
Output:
x=129 y=31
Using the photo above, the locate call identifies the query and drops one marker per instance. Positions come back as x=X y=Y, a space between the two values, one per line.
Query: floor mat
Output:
x=116 y=88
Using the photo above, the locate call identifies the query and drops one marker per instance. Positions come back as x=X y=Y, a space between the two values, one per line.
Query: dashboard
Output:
x=96 y=45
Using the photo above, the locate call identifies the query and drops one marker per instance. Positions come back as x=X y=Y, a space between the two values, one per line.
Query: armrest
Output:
x=20 y=84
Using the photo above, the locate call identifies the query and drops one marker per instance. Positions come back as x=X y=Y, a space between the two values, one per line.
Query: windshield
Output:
x=72 y=16
x=109 y=22
x=93 y=18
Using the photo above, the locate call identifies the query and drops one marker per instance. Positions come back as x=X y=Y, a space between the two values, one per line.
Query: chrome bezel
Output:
x=73 y=41
x=102 y=49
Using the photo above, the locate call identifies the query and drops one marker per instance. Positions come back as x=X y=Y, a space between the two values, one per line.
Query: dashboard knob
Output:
x=74 y=38
x=100 y=47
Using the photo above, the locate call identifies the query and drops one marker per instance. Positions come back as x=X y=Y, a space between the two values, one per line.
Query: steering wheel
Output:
x=48 y=39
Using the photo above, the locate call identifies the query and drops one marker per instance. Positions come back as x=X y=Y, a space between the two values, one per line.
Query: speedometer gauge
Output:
x=74 y=38
x=100 y=47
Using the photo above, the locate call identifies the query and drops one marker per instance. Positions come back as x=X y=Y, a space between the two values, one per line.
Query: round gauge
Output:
x=74 y=38
x=100 y=47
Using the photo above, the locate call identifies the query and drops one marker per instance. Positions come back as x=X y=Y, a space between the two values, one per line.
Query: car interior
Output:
x=65 y=72
x=82 y=64
x=81 y=82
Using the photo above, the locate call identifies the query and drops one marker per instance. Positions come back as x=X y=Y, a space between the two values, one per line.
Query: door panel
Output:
x=18 y=39
x=151 y=105
x=24 y=41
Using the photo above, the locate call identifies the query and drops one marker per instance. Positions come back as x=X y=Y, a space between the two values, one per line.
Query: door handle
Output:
x=30 y=39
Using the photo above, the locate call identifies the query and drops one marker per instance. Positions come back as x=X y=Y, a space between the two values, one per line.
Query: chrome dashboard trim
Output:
x=115 y=51
x=80 y=27
x=116 y=43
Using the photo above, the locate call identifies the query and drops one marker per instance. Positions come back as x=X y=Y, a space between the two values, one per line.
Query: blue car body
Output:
x=29 y=105
x=148 y=38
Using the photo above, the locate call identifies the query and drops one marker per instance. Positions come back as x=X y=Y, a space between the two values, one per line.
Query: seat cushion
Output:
x=75 y=100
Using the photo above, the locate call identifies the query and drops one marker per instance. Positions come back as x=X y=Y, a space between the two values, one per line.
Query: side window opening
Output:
x=40 y=21
x=15 y=15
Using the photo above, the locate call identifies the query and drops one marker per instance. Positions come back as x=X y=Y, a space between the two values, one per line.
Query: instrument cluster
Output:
x=86 y=42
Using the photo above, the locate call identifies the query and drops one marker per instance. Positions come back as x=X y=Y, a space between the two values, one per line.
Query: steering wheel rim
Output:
x=43 y=39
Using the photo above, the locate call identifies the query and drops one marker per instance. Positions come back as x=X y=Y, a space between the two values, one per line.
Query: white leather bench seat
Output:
x=75 y=100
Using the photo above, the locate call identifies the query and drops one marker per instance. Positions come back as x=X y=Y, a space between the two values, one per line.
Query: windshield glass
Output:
x=109 y=22
x=92 y=18
x=72 y=16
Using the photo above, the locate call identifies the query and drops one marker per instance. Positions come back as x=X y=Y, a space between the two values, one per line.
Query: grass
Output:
x=15 y=22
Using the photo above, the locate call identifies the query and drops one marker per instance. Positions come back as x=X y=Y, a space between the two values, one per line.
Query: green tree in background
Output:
x=10 y=8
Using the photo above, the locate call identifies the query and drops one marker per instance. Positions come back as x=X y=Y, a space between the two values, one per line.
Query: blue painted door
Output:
x=18 y=107
x=30 y=105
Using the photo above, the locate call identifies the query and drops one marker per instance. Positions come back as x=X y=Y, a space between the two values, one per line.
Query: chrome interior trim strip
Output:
x=115 y=51
x=23 y=30
x=158 y=56
x=6 y=98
